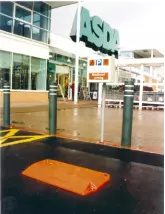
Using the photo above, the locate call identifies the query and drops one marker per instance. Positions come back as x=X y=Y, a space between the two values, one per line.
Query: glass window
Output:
x=22 y=29
x=51 y=67
x=28 y=4
x=40 y=21
x=4 y=68
x=6 y=23
x=6 y=8
x=40 y=35
x=42 y=8
x=23 y=14
x=38 y=74
x=126 y=54
x=147 y=69
x=20 y=76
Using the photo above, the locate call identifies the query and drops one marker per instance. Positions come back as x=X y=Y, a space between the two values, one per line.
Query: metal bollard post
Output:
x=6 y=104
x=127 y=113
x=52 y=108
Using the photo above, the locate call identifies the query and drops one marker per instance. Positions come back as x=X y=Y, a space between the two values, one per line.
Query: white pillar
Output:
x=151 y=69
x=77 y=53
x=130 y=73
x=141 y=87
x=113 y=68
x=69 y=83
x=100 y=94
x=136 y=78
x=157 y=82
x=116 y=74
x=88 y=86
x=152 y=53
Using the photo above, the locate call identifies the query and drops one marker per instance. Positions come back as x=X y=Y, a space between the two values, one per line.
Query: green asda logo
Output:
x=96 y=33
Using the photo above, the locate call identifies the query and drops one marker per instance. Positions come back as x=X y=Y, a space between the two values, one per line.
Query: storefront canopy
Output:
x=66 y=47
x=57 y=4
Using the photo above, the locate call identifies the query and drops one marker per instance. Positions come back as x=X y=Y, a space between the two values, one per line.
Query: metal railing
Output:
x=156 y=98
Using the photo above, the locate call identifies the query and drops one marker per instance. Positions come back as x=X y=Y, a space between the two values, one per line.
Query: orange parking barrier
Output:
x=69 y=177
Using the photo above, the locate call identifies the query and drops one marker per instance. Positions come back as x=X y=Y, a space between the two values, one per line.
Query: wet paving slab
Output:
x=148 y=126
x=133 y=187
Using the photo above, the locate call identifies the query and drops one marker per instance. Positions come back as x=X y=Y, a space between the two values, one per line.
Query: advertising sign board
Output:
x=100 y=69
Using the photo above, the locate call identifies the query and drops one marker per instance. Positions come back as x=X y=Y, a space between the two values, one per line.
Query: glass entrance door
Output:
x=62 y=80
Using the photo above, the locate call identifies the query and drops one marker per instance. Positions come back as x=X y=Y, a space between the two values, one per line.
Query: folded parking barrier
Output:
x=79 y=180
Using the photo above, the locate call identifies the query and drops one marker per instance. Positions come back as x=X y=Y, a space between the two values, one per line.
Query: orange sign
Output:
x=98 y=76
x=106 y=62
x=92 y=62
x=100 y=69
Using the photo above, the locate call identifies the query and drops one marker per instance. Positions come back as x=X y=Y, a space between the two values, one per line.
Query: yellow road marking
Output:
x=11 y=133
x=27 y=139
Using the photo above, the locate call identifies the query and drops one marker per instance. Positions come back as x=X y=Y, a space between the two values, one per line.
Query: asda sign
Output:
x=96 y=33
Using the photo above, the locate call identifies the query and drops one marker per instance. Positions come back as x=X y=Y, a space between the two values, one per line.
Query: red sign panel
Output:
x=98 y=76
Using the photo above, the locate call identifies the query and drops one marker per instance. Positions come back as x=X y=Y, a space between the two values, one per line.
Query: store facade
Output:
x=23 y=72
x=62 y=70
x=26 y=60
x=24 y=40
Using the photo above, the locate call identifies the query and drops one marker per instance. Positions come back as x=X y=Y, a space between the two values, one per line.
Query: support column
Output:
x=52 y=108
x=77 y=53
x=71 y=81
x=141 y=86
x=136 y=78
x=88 y=86
x=6 y=104
x=151 y=70
x=117 y=74
x=100 y=94
x=127 y=113
x=157 y=82
x=102 y=111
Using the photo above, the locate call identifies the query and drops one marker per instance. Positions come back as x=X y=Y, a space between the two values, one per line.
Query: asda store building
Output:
x=25 y=46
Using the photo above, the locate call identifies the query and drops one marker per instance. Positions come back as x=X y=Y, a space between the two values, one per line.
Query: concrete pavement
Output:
x=24 y=107
x=148 y=131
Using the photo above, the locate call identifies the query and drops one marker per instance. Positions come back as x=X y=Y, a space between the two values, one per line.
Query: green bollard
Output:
x=127 y=113
x=52 y=108
x=6 y=104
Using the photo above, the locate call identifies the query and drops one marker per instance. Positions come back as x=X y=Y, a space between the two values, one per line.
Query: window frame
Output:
x=24 y=6
x=48 y=16
x=45 y=61
x=15 y=5
x=12 y=64
x=13 y=10
x=22 y=35
x=33 y=26
x=41 y=16
x=12 y=23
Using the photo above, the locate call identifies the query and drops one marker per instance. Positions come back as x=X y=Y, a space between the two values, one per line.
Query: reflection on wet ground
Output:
x=148 y=126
